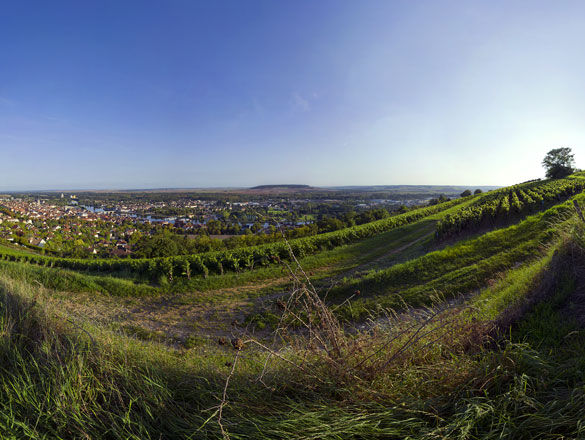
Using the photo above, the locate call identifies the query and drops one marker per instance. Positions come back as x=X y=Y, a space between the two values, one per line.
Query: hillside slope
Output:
x=457 y=321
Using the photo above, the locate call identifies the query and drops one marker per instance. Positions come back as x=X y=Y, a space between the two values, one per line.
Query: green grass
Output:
x=58 y=382
x=65 y=378
x=306 y=218
x=16 y=251
x=533 y=385
x=70 y=281
x=457 y=269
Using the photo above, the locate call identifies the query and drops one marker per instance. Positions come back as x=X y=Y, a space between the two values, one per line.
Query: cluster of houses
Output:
x=63 y=227
x=66 y=224
x=39 y=224
x=58 y=226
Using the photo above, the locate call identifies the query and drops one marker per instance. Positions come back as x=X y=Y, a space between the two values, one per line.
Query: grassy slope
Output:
x=57 y=382
x=65 y=378
x=457 y=269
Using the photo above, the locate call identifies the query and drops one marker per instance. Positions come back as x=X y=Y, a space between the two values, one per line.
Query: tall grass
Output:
x=438 y=372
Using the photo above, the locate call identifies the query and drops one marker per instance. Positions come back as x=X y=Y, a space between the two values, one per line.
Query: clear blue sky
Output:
x=137 y=94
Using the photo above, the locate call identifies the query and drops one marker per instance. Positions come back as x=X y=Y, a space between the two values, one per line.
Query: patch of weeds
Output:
x=265 y=318
x=194 y=341
x=142 y=333
x=196 y=325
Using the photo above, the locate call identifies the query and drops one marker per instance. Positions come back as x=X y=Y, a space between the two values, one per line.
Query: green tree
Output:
x=477 y=191
x=163 y=244
x=442 y=199
x=465 y=193
x=256 y=227
x=559 y=162
x=214 y=227
x=329 y=224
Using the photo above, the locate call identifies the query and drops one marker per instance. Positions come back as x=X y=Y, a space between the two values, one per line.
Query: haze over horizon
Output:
x=207 y=188
x=182 y=94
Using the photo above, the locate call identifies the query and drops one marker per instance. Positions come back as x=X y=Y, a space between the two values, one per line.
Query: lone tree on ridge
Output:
x=559 y=162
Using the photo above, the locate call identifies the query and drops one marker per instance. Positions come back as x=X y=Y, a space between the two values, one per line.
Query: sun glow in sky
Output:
x=148 y=94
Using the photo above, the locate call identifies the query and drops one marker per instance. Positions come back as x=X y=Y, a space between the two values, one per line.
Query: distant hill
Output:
x=285 y=187
x=280 y=189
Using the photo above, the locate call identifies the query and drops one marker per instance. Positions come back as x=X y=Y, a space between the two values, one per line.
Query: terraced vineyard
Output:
x=388 y=322
x=511 y=202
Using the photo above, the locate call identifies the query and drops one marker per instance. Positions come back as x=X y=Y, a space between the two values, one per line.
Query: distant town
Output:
x=115 y=225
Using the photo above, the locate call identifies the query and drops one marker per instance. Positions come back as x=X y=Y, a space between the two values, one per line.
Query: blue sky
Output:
x=146 y=94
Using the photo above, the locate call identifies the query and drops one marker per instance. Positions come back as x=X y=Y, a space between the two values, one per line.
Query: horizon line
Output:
x=70 y=190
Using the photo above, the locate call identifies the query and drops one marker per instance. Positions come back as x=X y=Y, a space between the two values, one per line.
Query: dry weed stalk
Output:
x=326 y=352
x=223 y=402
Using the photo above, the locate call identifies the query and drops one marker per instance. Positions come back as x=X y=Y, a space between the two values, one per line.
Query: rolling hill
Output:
x=460 y=320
